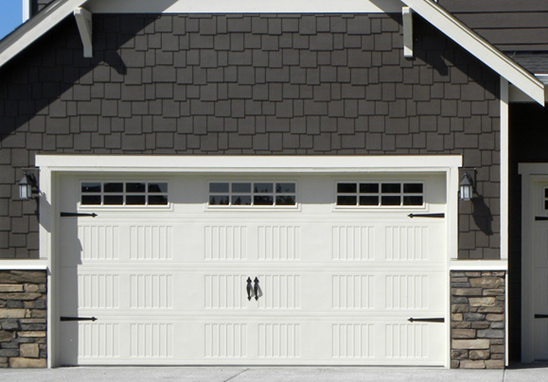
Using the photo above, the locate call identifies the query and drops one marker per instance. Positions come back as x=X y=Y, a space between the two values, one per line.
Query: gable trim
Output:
x=480 y=48
x=36 y=27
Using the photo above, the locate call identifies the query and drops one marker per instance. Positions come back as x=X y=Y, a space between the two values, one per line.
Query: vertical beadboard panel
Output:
x=279 y=340
x=98 y=340
x=406 y=340
x=353 y=292
x=353 y=340
x=279 y=243
x=98 y=291
x=99 y=243
x=280 y=291
x=353 y=243
x=225 y=242
x=406 y=291
x=406 y=243
x=151 y=242
x=225 y=340
x=151 y=340
x=151 y=291
x=225 y=291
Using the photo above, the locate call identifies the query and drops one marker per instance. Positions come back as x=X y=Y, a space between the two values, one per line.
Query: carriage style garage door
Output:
x=241 y=269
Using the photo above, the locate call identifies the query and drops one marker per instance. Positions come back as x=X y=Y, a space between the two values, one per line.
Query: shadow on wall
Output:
x=482 y=215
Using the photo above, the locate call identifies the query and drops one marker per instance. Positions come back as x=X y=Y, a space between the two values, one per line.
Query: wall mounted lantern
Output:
x=26 y=184
x=466 y=187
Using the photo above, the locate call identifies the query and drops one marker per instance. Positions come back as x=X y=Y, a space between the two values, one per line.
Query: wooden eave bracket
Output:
x=407 y=15
x=83 y=20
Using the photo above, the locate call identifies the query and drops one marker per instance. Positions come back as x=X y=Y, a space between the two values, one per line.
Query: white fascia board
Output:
x=252 y=164
x=480 y=48
x=36 y=27
x=244 y=6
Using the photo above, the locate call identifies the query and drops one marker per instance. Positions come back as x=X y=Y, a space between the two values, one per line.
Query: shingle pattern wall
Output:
x=245 y=85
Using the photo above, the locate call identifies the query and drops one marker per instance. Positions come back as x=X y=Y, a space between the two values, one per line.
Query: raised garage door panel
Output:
x=336 y=285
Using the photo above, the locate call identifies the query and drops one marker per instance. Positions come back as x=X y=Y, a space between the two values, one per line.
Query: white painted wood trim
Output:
x=83 y=21
x=34 y=28
x=478 y=265
x=527 y=291
x=407 y=16
x=270 y=164
x=24 y=265
x=504 y=167
x=244 y=6
x=480 y=48
x=26 y=10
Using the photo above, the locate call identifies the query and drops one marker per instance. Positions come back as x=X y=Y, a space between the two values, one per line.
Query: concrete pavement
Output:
x=535 y=373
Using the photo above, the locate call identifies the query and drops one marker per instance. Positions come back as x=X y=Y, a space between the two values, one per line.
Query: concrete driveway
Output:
x=279 y=374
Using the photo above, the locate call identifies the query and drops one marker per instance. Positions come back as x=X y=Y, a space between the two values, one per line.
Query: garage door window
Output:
x=380 y=194
x=124 y=194
x=252 y=194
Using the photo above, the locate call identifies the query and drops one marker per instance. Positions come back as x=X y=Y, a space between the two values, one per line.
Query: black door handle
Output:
x=249 y=289
x=256 y=288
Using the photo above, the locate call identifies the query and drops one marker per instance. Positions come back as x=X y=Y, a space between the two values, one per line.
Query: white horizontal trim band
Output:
x=23 y=265
x=478 y=265
x=281 y=164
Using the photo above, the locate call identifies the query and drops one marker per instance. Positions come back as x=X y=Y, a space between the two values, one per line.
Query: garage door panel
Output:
x=336 y=285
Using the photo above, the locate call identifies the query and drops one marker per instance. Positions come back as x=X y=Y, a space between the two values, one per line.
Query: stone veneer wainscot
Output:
x=477 y=320
x=23 y=310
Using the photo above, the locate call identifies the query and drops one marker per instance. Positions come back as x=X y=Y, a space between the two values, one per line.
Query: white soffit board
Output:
x=477 y=46
x=34 y=28
x=244 y=6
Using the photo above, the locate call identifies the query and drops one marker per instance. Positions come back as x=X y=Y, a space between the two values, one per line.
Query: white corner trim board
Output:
x=212 y=163
x=244 y=6
x=484 y=51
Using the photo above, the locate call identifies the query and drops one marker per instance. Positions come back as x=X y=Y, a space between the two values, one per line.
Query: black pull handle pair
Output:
x=252 y=290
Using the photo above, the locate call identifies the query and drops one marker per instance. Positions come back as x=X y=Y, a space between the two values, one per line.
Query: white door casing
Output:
x=319 y=290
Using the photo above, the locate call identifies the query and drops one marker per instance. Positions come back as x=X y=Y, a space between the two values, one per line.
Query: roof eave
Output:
x=36 y=27
x=480 y=48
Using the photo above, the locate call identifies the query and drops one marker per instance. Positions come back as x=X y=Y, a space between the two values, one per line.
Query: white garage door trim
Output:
x=51 y=166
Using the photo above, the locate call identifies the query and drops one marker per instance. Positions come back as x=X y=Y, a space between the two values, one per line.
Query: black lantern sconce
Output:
x=466 y=186
x=26 y=185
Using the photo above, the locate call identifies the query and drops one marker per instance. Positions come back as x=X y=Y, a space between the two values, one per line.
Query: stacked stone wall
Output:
x=23 y=308
x=477 y=320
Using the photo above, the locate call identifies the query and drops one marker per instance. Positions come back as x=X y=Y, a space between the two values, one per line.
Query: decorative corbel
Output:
x=407 y=15
x=83 y=20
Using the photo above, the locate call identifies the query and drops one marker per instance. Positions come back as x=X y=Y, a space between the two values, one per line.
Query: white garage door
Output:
x=240 y=269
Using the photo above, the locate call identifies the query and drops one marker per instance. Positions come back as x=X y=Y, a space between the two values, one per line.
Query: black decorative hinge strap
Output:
x=437 y=319
x=78 y=319
x=76 y=214
x=539 y=218
x=437 y=215
x=541 y=315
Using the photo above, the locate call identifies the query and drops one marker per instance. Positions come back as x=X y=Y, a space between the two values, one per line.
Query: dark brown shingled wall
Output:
x=247 y=85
